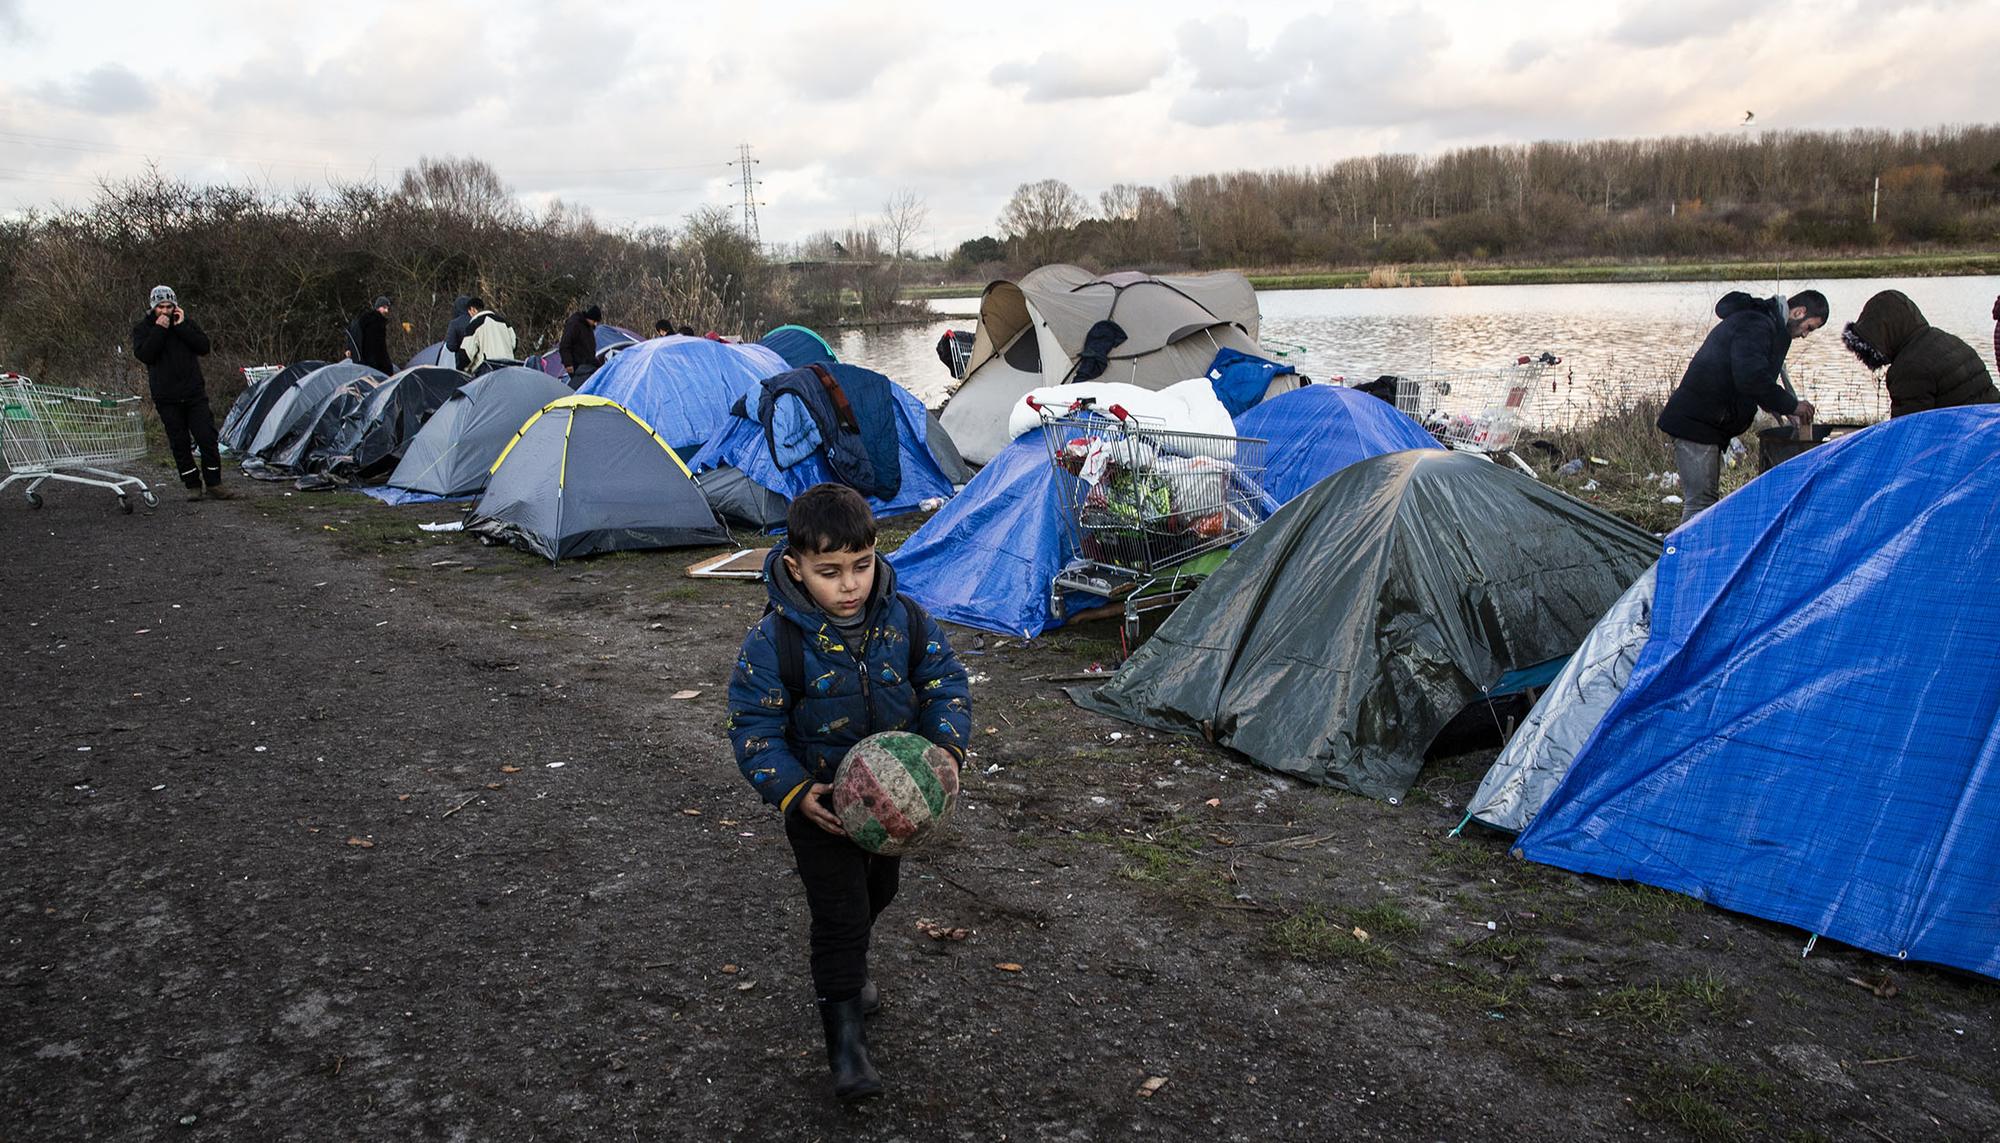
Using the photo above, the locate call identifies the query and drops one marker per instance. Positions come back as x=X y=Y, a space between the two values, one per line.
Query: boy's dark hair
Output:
x=829 y=518
x=663 y=326
x=475 y=304
x=1813 y=301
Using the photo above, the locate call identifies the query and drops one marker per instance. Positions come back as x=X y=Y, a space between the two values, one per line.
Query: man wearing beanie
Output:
x=368 y=337
x=578 y=346
x=171 y=345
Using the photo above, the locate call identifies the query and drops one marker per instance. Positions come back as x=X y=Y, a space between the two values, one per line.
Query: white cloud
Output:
x=1055 y=76
x=1663 y=25
x=107 y=89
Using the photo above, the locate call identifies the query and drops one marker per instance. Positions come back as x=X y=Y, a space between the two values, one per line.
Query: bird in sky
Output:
x=1748 y=117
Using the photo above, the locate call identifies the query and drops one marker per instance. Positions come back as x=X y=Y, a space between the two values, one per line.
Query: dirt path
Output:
x=385 y=835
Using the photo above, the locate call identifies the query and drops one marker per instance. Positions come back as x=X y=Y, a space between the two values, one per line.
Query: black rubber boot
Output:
x=871 y=999
x=847 y=1050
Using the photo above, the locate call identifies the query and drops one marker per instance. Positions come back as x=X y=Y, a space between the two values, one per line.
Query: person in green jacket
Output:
x=1927 y=368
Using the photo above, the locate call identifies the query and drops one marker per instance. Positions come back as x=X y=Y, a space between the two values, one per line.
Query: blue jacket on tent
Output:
x=683 y=386
x=742 y=446
x=1809 y=733
x=1317 y=430
x=843 y=411
x=784 y=741
x=1241 y=379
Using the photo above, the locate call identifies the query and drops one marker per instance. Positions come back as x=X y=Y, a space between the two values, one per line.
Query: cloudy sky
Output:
x=636 y=110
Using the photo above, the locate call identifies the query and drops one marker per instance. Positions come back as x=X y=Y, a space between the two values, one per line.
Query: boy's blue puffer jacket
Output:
x=782 y=747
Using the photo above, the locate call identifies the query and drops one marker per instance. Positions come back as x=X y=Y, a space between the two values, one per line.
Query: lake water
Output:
x=1616 y=341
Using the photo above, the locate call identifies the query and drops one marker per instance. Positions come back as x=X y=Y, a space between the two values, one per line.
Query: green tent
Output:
x=1350 y=628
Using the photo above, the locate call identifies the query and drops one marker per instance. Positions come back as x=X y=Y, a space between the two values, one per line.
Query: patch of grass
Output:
x=1634 y=899
x=1482 y=989
x=1312 y=936
x=1672 y=1006
x=1383 y=919
x=1461 y=855
x=680 y=592
x=1705 y=1100
x=1508 y=948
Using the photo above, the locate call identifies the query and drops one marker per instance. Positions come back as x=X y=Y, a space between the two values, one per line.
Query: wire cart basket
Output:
x=1151 y=510
x=1477 y=410
x=51 y=433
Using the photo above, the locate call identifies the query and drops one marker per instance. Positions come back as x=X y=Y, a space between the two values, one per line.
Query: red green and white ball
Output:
x=894 y=791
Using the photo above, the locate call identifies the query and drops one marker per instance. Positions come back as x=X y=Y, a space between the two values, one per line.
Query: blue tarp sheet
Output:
x=683 y=386
x=395 y=496
x=1320 y=429
x=742 y=446
x=798 y=345
x=1809 y=734
x=986 y=559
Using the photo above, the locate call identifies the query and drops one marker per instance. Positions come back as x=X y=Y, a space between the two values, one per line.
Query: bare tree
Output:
x=903 y=218
x=1039 y=215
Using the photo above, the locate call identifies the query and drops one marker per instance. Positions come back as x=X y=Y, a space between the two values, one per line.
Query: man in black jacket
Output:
x=171 y=346
x=1734 y=373
x=369 y=337
x=578 y=347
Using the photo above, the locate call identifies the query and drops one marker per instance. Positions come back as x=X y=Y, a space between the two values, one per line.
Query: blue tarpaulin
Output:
x=683 y=386
x=987 y=558
x=1318 y=430
x=1809 y=734
x=743 y=447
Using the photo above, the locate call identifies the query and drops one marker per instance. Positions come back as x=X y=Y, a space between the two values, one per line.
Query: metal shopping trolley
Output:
x=1478 y=410
x=51 y=433
x=1150 y=511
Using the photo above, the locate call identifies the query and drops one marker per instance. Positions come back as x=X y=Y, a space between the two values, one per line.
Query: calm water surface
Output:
x=1616 y=341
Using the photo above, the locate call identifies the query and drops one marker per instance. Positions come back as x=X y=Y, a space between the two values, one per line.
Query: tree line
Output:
x=276 y=277
x=1748 y=194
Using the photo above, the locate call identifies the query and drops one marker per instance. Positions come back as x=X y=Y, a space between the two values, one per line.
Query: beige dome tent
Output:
x=1032 y=331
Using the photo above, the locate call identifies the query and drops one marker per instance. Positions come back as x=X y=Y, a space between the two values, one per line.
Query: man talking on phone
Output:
x=171 y=345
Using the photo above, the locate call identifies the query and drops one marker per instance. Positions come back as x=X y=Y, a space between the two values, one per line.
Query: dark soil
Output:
x=318 y=826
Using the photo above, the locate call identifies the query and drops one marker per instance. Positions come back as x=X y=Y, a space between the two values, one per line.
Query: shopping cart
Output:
x=51 y=433
x=1478 y=410
x=1150 y=511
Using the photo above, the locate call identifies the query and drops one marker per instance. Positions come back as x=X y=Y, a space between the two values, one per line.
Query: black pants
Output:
x=846 y=888
x=191 y=425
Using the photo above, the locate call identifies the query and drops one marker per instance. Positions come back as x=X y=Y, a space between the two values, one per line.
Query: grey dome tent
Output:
x=454 y=452
x=300 y=402
x=1032 y=332
x=255 y=401
x=585 y=475
x=300 y=449
x=370 y=438
x=1341 y=637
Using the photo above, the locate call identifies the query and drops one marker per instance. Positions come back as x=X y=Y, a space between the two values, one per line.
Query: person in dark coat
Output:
x=368 y=337
x=171 y=346
x=578 y=347
x=454 y=333
x=1734 y=373
x=1927 y=367
x=1996 y=333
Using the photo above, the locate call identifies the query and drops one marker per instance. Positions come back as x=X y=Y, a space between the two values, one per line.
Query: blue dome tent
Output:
x=1318 y=430
x=683 y=386
x=798 y=346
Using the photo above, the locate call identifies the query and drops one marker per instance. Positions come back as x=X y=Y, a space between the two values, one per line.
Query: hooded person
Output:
x=1927 y=368
x=171 y=346
x=454 y=333
x=1734 y=373
x=489 y=339
x=578 y=347
x=368 y=337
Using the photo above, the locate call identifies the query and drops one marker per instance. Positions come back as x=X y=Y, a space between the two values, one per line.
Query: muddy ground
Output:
x=318 y=826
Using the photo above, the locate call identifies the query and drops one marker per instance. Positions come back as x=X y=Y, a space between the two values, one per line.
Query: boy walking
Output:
x=840 y=656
